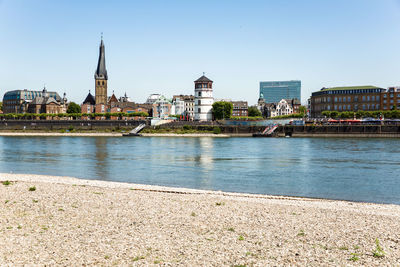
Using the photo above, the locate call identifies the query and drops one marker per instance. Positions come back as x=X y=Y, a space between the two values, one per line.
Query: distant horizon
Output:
x=157 y=47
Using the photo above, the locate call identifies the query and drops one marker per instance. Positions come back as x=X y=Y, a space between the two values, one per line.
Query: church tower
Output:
x=101 y=77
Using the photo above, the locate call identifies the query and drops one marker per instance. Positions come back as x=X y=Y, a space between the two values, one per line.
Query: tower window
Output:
x=98 y=83
x=103 y=83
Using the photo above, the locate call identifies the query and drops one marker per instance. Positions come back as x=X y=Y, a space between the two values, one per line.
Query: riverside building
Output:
x=275 y=91
x=203 y=99
x=18 y=101
x=351 y=98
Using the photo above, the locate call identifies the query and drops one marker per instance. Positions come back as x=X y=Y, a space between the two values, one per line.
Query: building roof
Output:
x=101 y=72
x=351 y=88
x=203 y=79
x=43 y=100
x=28 y=94
x=113 y=99
x=89 y=99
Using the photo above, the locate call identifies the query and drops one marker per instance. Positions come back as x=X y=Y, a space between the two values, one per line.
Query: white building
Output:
x=203 y=99
x=178 y=106
x=279 y=109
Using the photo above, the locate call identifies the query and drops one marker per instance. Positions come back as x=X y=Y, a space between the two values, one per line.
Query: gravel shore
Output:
x=47 y=220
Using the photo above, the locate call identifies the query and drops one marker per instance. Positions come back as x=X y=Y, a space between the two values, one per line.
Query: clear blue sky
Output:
x=163 y=46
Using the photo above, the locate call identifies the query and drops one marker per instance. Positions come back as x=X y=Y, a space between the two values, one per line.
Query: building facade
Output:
x=101 y=78
x=351 y=98
x=188 y=105
x=240 y=109
x=203 y=99
x=17 y=101
x=162 y=107
x=89 y=104
x=275 y=91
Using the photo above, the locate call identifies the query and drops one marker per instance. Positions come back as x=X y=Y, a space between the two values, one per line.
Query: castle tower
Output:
x=203 y=99
x=101 y=77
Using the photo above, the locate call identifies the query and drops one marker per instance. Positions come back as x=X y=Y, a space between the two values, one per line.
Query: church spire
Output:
x=101 y=72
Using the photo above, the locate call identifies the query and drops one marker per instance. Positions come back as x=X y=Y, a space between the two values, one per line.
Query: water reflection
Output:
x=331 y=168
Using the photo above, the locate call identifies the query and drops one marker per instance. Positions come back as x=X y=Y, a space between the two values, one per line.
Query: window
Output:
x=363 y=98
x=103 y=83
x=344 y=99
x=356 y=98
x=199 y=102
x=199 y=94
x=391 y=101
x=373 y=106
x=335 y=99
x=391 y=95
x=363 y=106
x=373 y=98
x=368 y=98
x=377 y=98
x=348 y=99
x=384 y=95
x=377 y=106
x=340 y=107
x=384 y=101
x=335 y=107
x=348 y=107
x=98 y=82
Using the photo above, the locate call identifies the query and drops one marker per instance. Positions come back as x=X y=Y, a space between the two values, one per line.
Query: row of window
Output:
x=202 y=85
x=341 y=92
x=390 y=95
x=349 y=108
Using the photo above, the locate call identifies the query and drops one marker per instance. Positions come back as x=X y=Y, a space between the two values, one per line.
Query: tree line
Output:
x=390 y=114
x=107 y=115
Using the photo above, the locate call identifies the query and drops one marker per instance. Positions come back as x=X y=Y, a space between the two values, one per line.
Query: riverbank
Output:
x=67 y=221
x=117 y=134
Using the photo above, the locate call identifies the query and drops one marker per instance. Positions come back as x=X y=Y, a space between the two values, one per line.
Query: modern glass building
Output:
x=275 y=91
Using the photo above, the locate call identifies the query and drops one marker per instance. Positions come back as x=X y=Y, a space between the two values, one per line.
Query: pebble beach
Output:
x=48 y=220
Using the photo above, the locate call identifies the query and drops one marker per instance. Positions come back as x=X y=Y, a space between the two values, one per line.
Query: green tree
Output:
x=254 y=112
x=1 y=105
x=73 y=108
x=222 y=110
x=302 y=110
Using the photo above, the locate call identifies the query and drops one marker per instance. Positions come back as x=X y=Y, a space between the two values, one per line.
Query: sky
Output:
x=158 y=46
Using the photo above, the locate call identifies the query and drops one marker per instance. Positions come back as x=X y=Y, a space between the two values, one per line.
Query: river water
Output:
x=334 y=168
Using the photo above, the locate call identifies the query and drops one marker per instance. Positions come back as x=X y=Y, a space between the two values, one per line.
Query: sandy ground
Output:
x=67 y=221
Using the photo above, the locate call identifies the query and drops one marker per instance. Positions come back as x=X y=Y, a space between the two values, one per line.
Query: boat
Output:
x=135 y=132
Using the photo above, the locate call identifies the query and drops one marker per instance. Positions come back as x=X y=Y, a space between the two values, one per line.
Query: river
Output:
x=361 y=169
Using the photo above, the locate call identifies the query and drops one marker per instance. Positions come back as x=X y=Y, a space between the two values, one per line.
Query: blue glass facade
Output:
x=275 y=91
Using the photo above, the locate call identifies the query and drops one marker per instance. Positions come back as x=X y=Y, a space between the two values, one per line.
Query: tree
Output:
x=254 y=112
x=1 y=105
x=222 y=110
x=302 y=110
x=73 y=108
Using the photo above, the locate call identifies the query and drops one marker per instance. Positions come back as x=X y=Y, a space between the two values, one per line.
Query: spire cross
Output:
x=204 y=73
x=101 y=35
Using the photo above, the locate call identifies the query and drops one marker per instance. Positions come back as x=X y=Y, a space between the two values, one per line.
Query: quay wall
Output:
x=56 y=125
x=287 y=130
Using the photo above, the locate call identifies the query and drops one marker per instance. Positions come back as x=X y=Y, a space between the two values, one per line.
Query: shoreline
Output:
x=68 y=180
x=92 y=222
x=94 y=134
